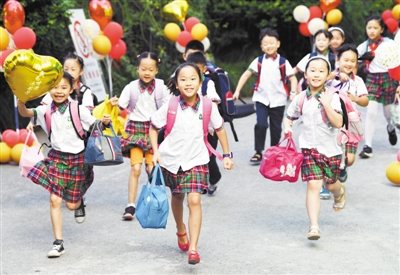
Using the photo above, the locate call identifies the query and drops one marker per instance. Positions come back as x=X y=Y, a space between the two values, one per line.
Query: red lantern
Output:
x=190 y=22
x=3 y=56
x=24 y=38
x=392 y=25
x=327 y=5
x=315 y=12
x=114 y=32
x=303 y=29
x=184 y=37
x=395 y=73
x=101 y=12
x=13 y=16
x=118 y=50
x=386 y=15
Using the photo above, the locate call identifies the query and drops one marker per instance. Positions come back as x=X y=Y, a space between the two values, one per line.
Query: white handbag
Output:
x=395 y=111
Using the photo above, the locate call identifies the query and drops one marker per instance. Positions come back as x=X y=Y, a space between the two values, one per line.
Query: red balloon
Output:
x=114 y=32
x=315 y=12
x=118 y=50
x=391 y=24
x=395 y=73
x=3 y=56
x=24 y=38
x=101 y=12
x=11 y=138
x=124 y=113
x=303 y=29
x=3 y=135
x=13 y=16
x=190 y=22
x=23 y=133
x=184 y=37
x=386 y=15
x=327 y=5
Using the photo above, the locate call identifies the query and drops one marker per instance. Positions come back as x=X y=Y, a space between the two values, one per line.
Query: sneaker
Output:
x=212 y=188
x=366 y=152
x=129 y=213
x=392 y=136
x=80 y=213
x=324 y=194
x=343 y=175
x=57 y=250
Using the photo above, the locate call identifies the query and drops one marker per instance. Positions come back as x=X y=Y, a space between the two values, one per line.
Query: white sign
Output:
x=92 y=74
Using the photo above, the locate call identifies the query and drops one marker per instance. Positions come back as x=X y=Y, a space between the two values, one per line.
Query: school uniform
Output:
x=270 y=99
x=63 y=172
x=183 y=152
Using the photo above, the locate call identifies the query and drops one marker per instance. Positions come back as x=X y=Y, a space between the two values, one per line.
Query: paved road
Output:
x=251 y=226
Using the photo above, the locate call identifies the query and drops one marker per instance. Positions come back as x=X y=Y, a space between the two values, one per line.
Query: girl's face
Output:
x=322 y=42
x=337 y=39
x=317 y=73
x=73 y=67
x=347 y=62
x=374 y=30
x=61 y=92
x=147 y=70
x=188 y=82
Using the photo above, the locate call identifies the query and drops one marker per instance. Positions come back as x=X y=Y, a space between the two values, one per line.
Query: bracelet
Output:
x=292 y=92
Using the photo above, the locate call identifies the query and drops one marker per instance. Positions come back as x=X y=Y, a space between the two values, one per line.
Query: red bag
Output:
x=281 y=163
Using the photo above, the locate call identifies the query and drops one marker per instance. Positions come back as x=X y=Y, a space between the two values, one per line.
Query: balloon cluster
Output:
x=312 y=19
x=393 y=171
x=12 y=144
x=104 y=36
x=14 y=36
x=193 y=29
x=388 y=56
x=390 y=17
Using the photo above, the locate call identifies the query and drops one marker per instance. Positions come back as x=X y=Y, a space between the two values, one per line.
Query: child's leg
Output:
x=149 y=162
x=313 y=201
x=350 y=159
x=275 y=120
x=177 y=211
x=136 y=167
x=336 y=189
x=195 y=218
x=260 y=129
x=370 y=122
x=56 y=215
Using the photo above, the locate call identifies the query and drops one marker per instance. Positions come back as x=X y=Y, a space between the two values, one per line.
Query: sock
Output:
x=131 y=204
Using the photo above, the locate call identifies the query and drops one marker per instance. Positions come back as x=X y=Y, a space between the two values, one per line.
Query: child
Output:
x=270 y=97
x=137 y=145
x=381 y=87
x=183 y=154
x=63 y=172
x=199 y=59
x=322 y=154
x=192 y=47
x=337 y=39
x=354 y=86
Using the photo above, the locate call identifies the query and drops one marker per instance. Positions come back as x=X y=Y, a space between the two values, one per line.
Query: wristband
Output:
x=229 y=155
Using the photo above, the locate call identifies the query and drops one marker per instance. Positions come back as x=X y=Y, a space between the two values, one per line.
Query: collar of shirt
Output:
x=60 y=108
x=143 y=88
x=271 y=57
x=374 y=45
x=317 y=95
x=185 y=105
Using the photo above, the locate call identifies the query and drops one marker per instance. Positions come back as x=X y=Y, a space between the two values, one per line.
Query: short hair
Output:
x=325 y=32
x=196 y=58
x=194 y=45
x=346 y=47
x=319 y=57
x=268 y=32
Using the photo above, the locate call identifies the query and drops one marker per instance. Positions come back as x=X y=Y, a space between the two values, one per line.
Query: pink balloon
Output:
x=398 y=156
x=118 y=50
x=114 y=32
x=190 y=22
x=24 y=38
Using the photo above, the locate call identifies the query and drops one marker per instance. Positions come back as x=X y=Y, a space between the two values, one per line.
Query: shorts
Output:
x=194 y=180
x=137 y=155
x=317 y=166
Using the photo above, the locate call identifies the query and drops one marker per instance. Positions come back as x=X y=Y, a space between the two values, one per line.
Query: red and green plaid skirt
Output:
x=64 y=175
x=317 y=166
x=194 y=180
x=351 y=147
x=381 y=87
x=138 y=136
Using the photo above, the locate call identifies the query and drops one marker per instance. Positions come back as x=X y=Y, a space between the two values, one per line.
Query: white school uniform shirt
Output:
x=374 y=66
x=303 y=62
x=184 y=146
x=146 y=104
x=211 y=92
x=87 y=99
x=270 y=89
x=315 y=132
x=63 y=135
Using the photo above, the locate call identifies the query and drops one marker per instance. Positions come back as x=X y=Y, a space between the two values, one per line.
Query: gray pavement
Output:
x=251 y=226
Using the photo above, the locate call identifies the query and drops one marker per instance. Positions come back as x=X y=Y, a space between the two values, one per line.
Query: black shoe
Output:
x=343 y=175
x=129 y=213
x=392 y=136
x=57 y=250
x=366 y=152
x=80 y=215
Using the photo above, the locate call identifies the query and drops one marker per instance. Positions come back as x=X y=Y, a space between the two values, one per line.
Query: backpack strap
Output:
x=259 y=65
x=207 y=109
x=204 y=86
x=47 y=118
x=282 y=69
x=171 y=114
x=302 y=96
x=159 y=93
x=83 y=89
x=76 y=119
x=134 y=94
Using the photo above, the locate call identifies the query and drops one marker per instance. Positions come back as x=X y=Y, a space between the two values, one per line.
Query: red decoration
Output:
x=327 y=5
x=392 y=25
x=315 y=12
x=190 y=22
x=386 y=15
x=3 y=56
x=13 y=16
x=303 y=29
x=24 y=38
x=114 y=32
x=11 y=138
x=395 y=73
x=101 y=12
x=118 y=50
x=396 y=2
x=124 y=113
x=184 y=37
x=22 y=137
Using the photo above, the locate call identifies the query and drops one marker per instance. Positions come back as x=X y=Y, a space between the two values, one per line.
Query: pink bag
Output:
x=30 y=155
x=281 y=163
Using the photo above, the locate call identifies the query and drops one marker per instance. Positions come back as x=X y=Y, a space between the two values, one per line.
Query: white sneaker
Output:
x=57 y=250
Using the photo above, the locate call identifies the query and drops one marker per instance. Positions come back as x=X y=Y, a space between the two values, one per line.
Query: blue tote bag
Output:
x=152 y=206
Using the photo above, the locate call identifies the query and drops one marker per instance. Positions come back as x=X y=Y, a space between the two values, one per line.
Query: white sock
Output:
x=386 y=113
x=370 y=122
x=131 y=204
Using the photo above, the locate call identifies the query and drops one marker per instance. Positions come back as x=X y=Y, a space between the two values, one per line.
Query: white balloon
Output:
x=397 y=38
x=301 y=14
x=206 y=43
x=90 y=29
x=179 y=47
x=11 y=45
x=315 y=25
x=387 y=54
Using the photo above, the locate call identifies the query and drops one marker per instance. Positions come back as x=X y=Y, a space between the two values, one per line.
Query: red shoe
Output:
x=194 y=257
x=183 y=247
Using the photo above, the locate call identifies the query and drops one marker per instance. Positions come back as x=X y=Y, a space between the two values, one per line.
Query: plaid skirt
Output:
x=381 y=87
x=137 y=136
x=351 y=147
x=63 y=174
x=194 y=180
x=317 y=166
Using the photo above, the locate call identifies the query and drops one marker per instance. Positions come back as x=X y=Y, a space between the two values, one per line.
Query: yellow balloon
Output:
x=396 y=12
x=176 y=10
x=326 y=26
x=393 y=172
x=16 y=152
x=334 y=17
x=5 y=153
x=4 y=39
x=199 y=31
x=31 y=75
x=102 y=45
x=171 y=31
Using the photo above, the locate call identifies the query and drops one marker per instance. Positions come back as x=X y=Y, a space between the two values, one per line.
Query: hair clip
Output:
x=138 y=56
x=159 y=60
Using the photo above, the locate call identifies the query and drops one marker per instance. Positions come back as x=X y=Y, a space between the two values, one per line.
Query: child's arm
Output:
x=360 y=100
x=243 y=79
x=293 y=86
x=287 y=126
x=334 y=117
x=154 y=144
x=23 y=111
x=223 y=140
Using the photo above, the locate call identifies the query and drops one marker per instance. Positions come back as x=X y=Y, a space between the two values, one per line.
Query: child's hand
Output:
x=325 y=98
x=20 y=103
x=106 y=119
x=343 y=77
x=156 y=158
x=114 y=101
x=30 y=126
x=352 y=97
x=228 y=164
x=236 y=95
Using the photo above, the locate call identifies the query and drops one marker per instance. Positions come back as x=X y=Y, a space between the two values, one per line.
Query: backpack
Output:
x=158 y=93
x=171 y=116
x=82 y=90
x=282 y=70
x=303 y=83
